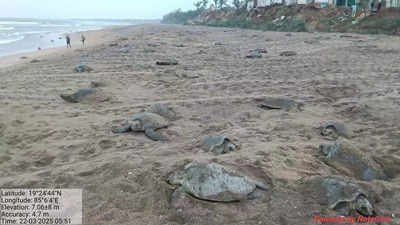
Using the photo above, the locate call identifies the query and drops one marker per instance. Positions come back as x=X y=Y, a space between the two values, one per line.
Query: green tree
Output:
x=236 y=4
x=221 y=3
x=216 y=3
x=201 y=5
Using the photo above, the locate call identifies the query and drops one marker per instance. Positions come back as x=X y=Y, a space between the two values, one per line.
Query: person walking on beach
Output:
x=68 y=39
x=83 y=39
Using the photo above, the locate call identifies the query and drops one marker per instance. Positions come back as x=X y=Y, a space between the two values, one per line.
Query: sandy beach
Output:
x=95 y=37
x=346 y=78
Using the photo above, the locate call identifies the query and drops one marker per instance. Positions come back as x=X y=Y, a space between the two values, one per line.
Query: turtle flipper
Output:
x=150 y=133
x=68 y=98
x=122 y=130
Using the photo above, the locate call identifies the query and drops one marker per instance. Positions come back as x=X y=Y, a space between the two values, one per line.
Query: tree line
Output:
x=202 y=5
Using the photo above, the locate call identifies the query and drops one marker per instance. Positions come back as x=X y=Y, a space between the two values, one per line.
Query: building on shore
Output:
x=323 y=3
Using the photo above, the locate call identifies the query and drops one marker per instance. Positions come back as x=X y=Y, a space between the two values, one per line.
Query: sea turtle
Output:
x=214 y=182
x=288 y=53
x=164 y=111
x=97 y=84
x=85 y=95
x=259 y=50
x=346 y=159
x=279 y=103
x=340 y=195
x=254 y=55
x=311 y=42
x=333 y=130
x=82 y=69
x=168 y=62
x=219 y=145
x=147 y=123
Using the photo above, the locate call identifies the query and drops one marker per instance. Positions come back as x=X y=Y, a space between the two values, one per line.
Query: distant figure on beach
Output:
x=68 y=39
x=379 y=5
x=83 y=39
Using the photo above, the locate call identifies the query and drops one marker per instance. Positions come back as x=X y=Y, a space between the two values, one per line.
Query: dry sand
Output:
x=46 y=142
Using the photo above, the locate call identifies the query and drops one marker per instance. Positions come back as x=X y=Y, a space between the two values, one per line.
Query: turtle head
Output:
x=328 y=150
x=176 y=178
x=300 y=106
x=136 y=125
x=363 y=206
x=230 y=147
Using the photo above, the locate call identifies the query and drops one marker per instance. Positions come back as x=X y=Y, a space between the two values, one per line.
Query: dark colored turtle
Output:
x=333 y=130
x=259 y=50
x=97 y=84
x=147 y=123
x=288 y=53
x=279 y=103
x=79 y=96
x=340 y=195
x=180 y=45
x=214 y=182
x=82 y=69
x=219 y=145
x=168 y=62
x=254 y=55
x=349 y=161
x=311 y=42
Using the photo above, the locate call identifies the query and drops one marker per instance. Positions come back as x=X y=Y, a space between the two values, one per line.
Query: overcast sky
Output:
x=116 y=9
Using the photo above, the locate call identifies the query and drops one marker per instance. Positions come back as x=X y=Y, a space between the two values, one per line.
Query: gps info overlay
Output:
x=41 y=206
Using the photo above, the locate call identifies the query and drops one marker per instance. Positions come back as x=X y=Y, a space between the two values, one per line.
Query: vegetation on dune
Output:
x=380 y=25
x=180 y=17
x=292 y=18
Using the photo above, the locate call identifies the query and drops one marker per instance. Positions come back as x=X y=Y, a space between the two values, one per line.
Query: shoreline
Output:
x=93 y=38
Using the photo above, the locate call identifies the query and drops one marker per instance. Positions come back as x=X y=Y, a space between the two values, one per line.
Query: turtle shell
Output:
x=338 y=194
x=348 y=160
x=334 y=130
x=164 y=111
x=278 y=103
x=214 y=182
x=149 y=120
x=218 y=144
x=86 y=95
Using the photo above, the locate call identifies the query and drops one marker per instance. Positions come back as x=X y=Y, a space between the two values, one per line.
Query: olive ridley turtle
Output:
x=147 y=123
x=168 y=62
x=350 y=161
x=164 y=111
x=214 y=182
x=279 y=103
x=340 y=195
x=85 y=95
x=219 y=145
x=288 y=53
x=82 y=69
x=333 y=130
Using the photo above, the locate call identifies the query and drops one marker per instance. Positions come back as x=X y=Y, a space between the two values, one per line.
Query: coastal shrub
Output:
x=380 y=25
x=180 y=17
x=292 y=25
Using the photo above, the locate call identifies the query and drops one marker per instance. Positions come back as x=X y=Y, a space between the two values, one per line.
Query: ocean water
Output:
x=24 y=35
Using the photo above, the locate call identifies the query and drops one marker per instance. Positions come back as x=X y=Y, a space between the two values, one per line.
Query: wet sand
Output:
x=46 y=142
